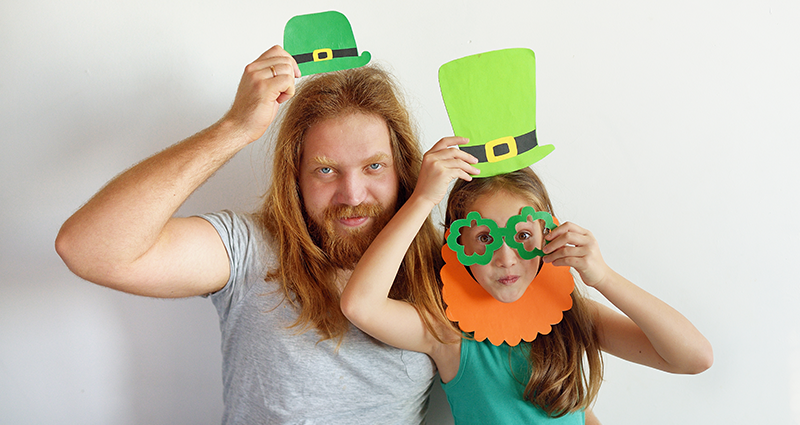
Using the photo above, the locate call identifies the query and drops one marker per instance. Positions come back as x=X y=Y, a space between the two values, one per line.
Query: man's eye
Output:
x=375 y=166
x=326 y=170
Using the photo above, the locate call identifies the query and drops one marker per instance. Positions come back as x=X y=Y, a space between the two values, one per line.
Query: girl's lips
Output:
x=508 y=280
x=353 y=221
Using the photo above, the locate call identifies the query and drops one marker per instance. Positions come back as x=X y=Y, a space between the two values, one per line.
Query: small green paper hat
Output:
x=322 y=42
x=491 y=100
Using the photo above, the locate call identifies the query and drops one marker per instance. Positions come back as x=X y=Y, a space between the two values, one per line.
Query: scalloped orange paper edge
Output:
x=541 y=306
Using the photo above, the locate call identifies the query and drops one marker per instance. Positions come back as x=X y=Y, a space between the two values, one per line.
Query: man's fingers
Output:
x=274 y=51
x=275 y=59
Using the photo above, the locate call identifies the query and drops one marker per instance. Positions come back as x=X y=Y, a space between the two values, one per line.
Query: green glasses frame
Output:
x=499 y=234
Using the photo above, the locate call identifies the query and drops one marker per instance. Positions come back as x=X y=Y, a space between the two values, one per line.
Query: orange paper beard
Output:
x=541 y=306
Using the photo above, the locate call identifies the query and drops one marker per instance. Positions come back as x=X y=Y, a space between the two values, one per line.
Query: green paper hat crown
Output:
x=491 y=100
x=322 y=42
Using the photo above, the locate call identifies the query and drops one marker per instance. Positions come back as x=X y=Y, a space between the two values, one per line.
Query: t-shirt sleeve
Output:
x=244 y=244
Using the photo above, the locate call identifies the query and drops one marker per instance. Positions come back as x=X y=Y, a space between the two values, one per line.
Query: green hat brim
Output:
x=489 y=169
x=335 y=64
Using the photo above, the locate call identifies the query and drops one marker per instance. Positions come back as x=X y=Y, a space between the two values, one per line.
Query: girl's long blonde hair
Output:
x=566 y=364
x=306 y=274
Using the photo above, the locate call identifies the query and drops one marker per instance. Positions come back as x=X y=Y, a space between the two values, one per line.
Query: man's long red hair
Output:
x=304 y=271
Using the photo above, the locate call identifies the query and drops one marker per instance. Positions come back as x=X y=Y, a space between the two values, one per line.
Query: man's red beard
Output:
x=346 y=251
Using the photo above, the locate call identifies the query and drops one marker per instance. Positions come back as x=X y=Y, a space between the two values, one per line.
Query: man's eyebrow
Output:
x=378 y=157
x=324 y=161
x=328 y=162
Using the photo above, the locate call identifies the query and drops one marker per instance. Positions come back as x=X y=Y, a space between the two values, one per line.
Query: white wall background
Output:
x=676 y=133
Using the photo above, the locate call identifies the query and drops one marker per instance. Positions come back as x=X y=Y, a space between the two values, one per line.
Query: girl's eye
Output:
x=522 y=236
x=326 y=170
x=485 y=239
x=375 y=166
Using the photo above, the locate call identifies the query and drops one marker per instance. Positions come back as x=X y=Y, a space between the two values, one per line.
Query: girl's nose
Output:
x=504 y=256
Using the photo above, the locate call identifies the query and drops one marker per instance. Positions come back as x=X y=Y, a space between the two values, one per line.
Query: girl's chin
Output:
x=508 y=297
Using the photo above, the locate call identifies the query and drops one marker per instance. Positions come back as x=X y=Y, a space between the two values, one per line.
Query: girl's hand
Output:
x=440 y=165
x=573 y=246
x=649 y=331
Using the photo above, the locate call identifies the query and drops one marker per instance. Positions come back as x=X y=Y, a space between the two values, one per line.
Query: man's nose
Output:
x=352 y=189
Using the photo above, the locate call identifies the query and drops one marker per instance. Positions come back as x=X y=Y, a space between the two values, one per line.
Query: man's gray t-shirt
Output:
x=272 y=375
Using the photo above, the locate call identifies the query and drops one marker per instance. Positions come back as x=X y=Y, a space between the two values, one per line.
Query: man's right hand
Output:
x=265 y=84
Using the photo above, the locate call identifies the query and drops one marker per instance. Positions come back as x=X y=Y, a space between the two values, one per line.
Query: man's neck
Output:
x=342 y=276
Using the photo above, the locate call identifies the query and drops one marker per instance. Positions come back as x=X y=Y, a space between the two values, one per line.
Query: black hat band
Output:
x=502 y=148
x=325 y=54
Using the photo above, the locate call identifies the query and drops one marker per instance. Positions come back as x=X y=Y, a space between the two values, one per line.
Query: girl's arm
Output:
x=653 y=333
x=365 y=300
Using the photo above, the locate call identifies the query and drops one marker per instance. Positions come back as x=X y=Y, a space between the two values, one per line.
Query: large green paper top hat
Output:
x=491 y=100
x=322 y=42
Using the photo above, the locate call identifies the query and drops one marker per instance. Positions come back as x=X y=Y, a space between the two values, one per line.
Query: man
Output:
x=345 y=161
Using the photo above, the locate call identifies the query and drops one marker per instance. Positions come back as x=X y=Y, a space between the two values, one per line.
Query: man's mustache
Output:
x=337 y=212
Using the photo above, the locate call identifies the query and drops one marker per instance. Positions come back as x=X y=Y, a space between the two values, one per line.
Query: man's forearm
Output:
x=125 y=219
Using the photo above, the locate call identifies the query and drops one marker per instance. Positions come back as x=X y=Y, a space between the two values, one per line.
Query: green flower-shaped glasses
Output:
x=492 y=240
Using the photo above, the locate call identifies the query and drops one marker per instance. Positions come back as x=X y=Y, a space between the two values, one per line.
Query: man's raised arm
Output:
x=126 y=237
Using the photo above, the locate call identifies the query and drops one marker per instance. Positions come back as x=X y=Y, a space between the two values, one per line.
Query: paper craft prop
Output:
x=491 y=100
x=498 y=235
x=322 y=42
x=541 y=306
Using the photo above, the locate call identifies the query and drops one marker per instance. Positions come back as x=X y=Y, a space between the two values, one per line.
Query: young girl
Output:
x=556 y=376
